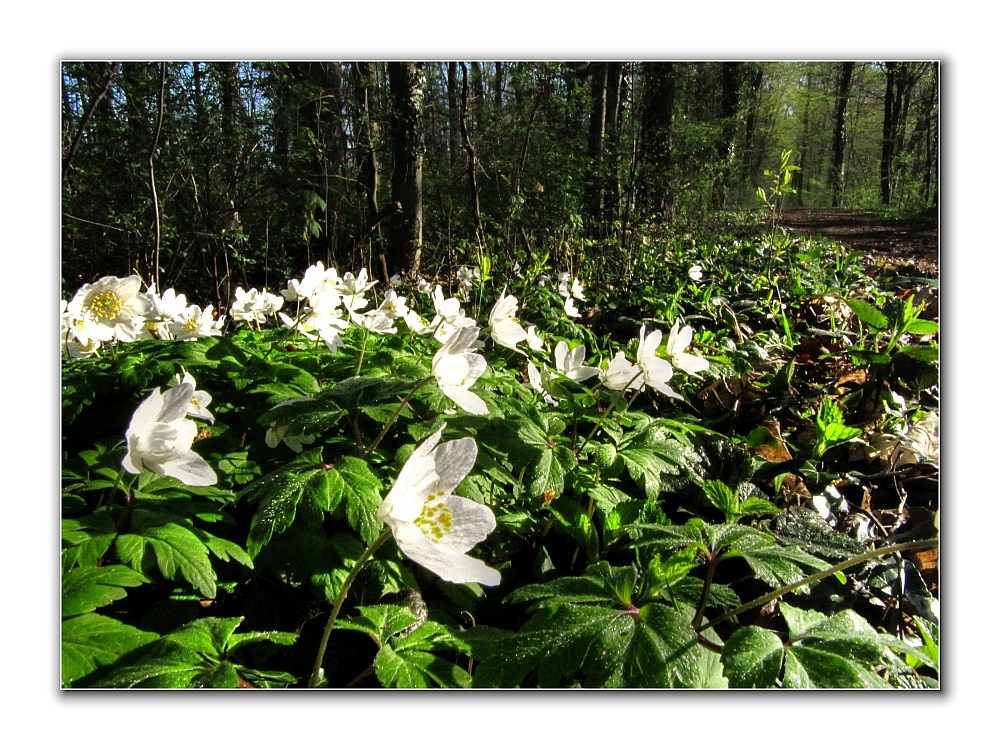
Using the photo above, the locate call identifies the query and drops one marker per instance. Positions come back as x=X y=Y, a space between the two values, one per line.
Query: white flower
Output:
x=569 y=362
x=504 y=329
x=621 y=374
x=537 y=381
x=375 y=321
x=677 y=342
x=424 y=286
x=694 y=272
x=576 y=290
x=279 y=433
x=194 y=323
x=570 y=308
x=198 y=408
x=253 y=306
x=655 y=371
x=160 y=436
x=456 y=368
x=394 y=306
x=114 y=305
x=433 y=527
x=534 y=340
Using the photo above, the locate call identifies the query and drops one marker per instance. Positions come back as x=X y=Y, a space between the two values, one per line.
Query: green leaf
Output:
x=920 y=327
x=176 y=549
x=91 y=640
x=194 y=655
x=868 y=314
x=87 y=589
x=774 y=564
x=362 y=497
x=86 y=540
x=752 y=658
x=920 y=352
x=583 y=629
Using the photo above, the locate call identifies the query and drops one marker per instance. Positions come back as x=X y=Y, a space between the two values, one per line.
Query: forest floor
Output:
x=909 y=246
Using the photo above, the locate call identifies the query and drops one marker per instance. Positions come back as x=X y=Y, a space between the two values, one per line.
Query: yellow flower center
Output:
x=191 y=324
x=435 y=519
x=106 y=305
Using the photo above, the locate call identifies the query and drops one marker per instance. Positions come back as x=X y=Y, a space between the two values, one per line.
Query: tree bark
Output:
x=888 y=132
x=473 y=186
x=655 y=191
x=840 y=134
x=406 y=235
x=595 y=143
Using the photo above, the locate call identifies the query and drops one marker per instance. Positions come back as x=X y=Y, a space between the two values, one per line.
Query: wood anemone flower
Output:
x=433 y=527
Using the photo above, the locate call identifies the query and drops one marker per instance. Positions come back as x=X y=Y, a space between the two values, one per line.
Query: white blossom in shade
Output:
x=544 y=279
x=576 y=290
x=695 y=273
x=252 y=306
x=375 y=321
x=570 y=308
x=679 y=340
x=456 y=368
x=424 y=286
x=194 y=323
x=432 y=526
x=283 y=434
x=655 y=370
x=533 y=340
x=504 y=328
x=198 y=408
x=394 y=306
x=621 y=374
x=115 y=307
x=160 y=436
x=537 y=381
x=417 y=323
x=569 y=362
x=167 y=306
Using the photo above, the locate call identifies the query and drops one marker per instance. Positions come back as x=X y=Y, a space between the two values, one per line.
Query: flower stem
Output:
x=335 y=612
x=618 y=397
x=395 y=414
x=761 y=600
x=361 y=357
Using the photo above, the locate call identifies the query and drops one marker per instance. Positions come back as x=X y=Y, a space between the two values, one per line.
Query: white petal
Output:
x=447 y=563
x=466 y=399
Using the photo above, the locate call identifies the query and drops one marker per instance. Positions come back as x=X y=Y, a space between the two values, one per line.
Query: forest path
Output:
x=910 y=246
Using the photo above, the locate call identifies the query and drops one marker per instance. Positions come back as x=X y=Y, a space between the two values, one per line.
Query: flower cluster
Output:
x=114 y=309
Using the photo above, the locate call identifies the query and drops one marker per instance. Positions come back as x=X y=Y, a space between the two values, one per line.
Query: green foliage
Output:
x=636 y=534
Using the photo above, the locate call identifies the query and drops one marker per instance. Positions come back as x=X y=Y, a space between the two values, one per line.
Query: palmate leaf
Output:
x=839 y=651
x=773 y=563
x=176 y=550
x=362 y=497
x=279 y=494
x=86 y=540
x=584 y=630
x=198 y=654
x=87 y=589
x=91 y=640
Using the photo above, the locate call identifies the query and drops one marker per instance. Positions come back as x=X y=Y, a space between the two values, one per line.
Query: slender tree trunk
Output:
x=840 y=133
x=406 y=236
x=366 y=127
x=655 y=191
x=454 y=115
x=612 y=183
x=473 y=186
x=595 y=143
x=888 y=132
x=732 y=76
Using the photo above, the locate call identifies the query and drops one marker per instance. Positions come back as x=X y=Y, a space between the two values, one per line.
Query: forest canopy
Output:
x=213 y=175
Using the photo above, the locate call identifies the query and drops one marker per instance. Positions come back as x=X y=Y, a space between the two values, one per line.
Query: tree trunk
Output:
x=888 y=132
x=467 y=141
x=406 y=235
x=732 y=76
x=595 y=143
x=840 y=134
x=655 y=191
x=454 y=115
x=612 y=184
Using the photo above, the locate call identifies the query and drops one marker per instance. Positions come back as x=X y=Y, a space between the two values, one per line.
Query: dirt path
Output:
x=911 y=247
